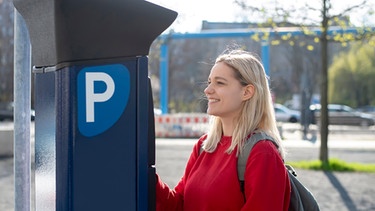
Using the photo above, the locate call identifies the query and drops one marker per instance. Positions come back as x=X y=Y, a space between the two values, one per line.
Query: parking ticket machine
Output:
x=94 y=125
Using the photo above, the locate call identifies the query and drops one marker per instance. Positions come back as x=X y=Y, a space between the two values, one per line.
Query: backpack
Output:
x=301 y=199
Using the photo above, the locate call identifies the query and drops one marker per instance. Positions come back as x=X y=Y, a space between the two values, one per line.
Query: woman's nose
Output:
x=208 y=89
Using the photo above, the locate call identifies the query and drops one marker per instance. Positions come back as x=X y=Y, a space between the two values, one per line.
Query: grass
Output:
x=334 y=164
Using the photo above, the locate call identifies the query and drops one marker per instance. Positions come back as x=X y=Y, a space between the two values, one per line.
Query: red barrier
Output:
x=186 y=125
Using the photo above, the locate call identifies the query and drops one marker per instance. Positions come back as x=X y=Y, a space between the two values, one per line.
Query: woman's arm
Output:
x=166 y=198
x=172 y=199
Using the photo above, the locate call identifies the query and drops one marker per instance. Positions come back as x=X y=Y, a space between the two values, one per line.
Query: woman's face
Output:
x=224 y=92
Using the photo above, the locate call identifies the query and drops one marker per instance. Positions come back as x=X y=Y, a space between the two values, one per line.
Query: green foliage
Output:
x=352 y=76
x=334 y=164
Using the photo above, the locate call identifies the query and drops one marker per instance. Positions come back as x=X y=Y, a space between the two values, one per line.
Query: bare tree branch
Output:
x=350 y=9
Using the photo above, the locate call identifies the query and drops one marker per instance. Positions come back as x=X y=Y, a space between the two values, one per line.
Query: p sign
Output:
x=103 y=93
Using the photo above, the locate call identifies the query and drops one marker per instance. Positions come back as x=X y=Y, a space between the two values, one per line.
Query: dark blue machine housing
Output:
x=94 y=126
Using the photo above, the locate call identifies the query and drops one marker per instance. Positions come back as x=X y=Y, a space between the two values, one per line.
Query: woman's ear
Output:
x=248 y=92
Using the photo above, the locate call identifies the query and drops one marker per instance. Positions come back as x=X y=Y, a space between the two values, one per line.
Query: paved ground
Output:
x=334 y=191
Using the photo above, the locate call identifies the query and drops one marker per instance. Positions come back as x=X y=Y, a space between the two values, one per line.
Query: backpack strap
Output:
x=244 y=155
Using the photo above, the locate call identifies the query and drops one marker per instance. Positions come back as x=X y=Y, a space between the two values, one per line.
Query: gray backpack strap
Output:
x=300 y=198
x=244 y=155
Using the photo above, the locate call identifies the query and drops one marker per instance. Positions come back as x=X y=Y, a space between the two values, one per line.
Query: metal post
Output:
x=164 y=78
x=266 y=56
x=22 y=105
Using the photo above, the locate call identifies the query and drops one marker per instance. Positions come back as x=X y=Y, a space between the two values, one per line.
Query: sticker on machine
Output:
x=102 y=96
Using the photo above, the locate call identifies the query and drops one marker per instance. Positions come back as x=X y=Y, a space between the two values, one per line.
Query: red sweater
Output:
x=210 y=181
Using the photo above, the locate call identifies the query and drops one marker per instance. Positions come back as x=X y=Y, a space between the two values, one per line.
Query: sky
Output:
x=191 y=13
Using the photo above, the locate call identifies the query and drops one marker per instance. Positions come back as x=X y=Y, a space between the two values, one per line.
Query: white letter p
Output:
x=92 y=97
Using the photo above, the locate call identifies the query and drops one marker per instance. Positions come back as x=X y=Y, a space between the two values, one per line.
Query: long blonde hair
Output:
x=257 y=113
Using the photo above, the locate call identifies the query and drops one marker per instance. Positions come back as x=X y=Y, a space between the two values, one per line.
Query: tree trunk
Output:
x=324 y=88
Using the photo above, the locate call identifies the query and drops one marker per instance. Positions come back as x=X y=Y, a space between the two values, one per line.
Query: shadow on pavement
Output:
x=349 y=203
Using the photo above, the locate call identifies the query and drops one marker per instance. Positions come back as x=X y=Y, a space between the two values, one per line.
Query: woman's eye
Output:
x=215 y=82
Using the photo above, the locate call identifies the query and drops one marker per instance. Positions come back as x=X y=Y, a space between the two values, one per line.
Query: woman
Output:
x=240 y=104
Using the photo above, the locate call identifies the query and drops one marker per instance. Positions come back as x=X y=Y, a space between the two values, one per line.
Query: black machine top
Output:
x=64 y=31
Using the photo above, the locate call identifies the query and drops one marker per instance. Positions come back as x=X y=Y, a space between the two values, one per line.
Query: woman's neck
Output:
x=228 y=126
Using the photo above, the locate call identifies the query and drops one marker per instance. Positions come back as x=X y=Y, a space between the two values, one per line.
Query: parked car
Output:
x=367 y=109
x=6 y=111
x=343 y=115
x=284 y=114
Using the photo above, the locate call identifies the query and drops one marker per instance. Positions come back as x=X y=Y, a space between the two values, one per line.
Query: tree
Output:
x=352 y=76
x=326 y=16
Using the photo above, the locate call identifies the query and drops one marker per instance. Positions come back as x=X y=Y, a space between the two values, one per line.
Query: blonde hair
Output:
x=257 y=113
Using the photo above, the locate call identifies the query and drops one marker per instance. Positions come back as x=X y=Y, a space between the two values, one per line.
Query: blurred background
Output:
x=295 y=61
x=302 y=68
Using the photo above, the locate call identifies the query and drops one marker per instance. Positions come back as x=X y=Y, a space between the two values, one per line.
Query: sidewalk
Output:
x=334 y=190
x=340 y=191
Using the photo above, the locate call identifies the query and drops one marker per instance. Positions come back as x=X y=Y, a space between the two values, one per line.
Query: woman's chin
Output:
x=211 y=112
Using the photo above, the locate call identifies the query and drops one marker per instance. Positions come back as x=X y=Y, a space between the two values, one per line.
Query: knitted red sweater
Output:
x=210 y=181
